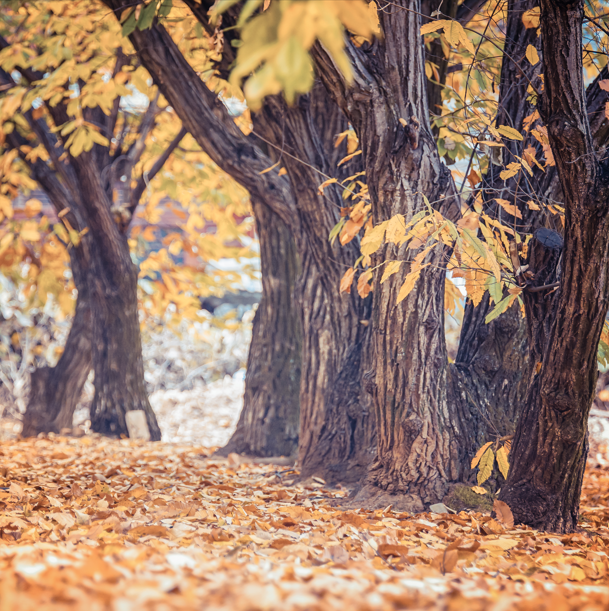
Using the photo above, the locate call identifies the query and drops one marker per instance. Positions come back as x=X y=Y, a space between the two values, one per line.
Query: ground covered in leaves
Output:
x=98 y=524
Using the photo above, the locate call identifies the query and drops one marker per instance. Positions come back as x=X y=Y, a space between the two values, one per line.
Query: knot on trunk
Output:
x=368 y=382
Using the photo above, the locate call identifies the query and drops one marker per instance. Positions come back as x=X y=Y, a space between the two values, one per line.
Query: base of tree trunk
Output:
x=117 y=357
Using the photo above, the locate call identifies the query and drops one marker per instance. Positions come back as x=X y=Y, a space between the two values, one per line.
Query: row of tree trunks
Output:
x=269 y=422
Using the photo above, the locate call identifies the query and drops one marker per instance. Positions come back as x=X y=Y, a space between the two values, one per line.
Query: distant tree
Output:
x=63 y=124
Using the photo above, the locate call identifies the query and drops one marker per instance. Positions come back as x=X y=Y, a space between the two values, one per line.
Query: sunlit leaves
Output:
x=274 y=52
x=453 y=31
x=485 y=466
x=530 y=18
x=532 y=55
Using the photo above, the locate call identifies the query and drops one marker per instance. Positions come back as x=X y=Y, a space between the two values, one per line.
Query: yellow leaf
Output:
x=530 y=18
x=408 y=285
x=503 y=544
x=509 y=208
x=323 y=185
x=577 y=574
x=363 y=286
x=509 y=132
x=502 y=462
x=486 y=466
x=479 y=453
x=479 y=489
x=373 y=238
x=348 y=158
x=396 y=229
x=512 y=170
x=532 y=55
x=391 y=268
x=433 y=26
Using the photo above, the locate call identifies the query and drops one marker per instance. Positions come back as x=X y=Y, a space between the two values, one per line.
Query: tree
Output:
x=550 y=446
x=89 y=181
x=334 y=414
x=268 y=424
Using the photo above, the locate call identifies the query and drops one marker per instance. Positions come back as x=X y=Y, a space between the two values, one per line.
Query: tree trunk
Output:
x=339 y=429
x=117 y=350
x=268 y=425
x=431 y=417
x=550 y=446
x=336 y=420
x=112 y=281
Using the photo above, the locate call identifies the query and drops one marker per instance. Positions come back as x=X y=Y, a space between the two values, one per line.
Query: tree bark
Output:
x=550 y=446
x=431 y=416
x=268 y=425
x=117 y=352
x=336 y=422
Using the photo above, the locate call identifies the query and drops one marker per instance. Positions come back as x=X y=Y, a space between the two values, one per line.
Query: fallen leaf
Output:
x=504 y=513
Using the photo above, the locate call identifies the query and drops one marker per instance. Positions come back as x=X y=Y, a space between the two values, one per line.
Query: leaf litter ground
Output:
x=99 y=524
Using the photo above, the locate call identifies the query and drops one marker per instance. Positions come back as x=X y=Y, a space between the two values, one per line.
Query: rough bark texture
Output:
x=417 y=437
x=550 y=446
x=431 y=417
x=336 y=425
x=268 y=424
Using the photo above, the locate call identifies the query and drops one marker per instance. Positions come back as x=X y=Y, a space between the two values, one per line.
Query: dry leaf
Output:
x=347 y=280
x=504 y=513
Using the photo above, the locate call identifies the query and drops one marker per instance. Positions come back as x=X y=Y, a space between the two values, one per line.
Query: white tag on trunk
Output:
x=137 y=424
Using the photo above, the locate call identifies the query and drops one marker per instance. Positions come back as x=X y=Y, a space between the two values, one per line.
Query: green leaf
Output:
x=500 y=308
x=494 y=288
x=486 y=466
x=129 y=24
x=336 y=230
x=147 y=16
x=502 y=462
x=165 y=8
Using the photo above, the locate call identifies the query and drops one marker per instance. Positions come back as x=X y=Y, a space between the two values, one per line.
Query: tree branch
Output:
x=121 y=60
x=146 y=177
x=468 y=10
x=47 y=139
x=207 y=118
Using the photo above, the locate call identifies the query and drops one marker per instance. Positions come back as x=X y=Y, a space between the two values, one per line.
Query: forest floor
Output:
x=96 y=524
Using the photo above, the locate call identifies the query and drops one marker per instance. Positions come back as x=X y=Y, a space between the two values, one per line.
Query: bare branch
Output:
x=121 y=60
x=138 y=190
